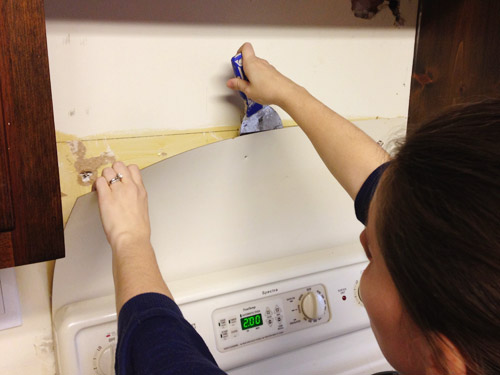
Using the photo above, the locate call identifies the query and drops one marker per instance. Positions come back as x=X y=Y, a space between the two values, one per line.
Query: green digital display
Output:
x=251 y=321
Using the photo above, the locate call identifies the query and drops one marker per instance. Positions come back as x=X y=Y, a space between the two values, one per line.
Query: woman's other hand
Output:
x=124 y=206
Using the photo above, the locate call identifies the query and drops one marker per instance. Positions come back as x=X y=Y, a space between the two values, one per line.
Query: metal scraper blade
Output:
x=264 y=119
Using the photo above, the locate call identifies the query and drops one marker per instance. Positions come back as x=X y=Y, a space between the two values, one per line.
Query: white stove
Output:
x=258 y=244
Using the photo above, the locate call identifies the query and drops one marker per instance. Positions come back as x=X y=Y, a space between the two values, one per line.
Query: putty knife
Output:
x=258 y=117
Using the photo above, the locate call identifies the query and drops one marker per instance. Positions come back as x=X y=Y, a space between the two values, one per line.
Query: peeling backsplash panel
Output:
x=81 y=160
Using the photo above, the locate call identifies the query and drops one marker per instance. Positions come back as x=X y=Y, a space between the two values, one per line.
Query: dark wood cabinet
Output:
x=457 y=55
x=31 y=225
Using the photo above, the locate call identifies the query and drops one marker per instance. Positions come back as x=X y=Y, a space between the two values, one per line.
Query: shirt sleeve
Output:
x=154 y=338
x=365 y=194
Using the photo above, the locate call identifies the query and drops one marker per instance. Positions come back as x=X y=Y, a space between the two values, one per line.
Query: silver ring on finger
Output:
x=117 y=178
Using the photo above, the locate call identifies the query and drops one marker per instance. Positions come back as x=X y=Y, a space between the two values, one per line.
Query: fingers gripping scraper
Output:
x=258 y=117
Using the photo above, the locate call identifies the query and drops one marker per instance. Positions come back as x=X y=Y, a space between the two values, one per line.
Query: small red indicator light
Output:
x=344 y=298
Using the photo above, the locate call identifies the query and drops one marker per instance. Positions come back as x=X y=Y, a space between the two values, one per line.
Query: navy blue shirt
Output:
x=154 y=338
x=365 y=194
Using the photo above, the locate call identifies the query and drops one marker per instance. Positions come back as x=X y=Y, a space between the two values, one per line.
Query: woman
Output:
x=432 y=287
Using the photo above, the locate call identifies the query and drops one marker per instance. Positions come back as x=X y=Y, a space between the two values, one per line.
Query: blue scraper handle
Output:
x=237 y=63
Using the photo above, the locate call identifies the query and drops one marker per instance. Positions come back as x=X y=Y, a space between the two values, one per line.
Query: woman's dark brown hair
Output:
x=438 y=228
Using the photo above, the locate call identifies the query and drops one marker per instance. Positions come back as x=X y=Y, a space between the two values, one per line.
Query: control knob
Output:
x=357 y=292
x=313 y=305
x=104 y=360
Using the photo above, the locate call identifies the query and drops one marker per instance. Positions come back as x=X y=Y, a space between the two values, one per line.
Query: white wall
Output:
x=115 y=70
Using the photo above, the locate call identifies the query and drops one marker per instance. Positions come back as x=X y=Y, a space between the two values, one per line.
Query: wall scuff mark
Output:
x=44 y=351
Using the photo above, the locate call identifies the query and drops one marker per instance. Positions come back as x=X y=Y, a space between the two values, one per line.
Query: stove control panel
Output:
x=265 y=318
x=263 y=321
x=246 y=314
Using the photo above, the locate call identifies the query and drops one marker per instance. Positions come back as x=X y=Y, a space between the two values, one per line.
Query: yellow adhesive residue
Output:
x=82 y=159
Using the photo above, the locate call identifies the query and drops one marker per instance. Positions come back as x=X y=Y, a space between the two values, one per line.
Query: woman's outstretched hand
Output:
x=124 y=206
x=265 y=84
x=348 y=152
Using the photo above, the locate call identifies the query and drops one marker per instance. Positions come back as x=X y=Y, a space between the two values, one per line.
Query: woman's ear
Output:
x=452 y=359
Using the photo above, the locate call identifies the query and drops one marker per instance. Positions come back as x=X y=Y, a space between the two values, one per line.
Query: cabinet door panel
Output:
x=30 y=135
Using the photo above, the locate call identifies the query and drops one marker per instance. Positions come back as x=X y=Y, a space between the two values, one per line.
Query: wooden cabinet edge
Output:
x=38 y=234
